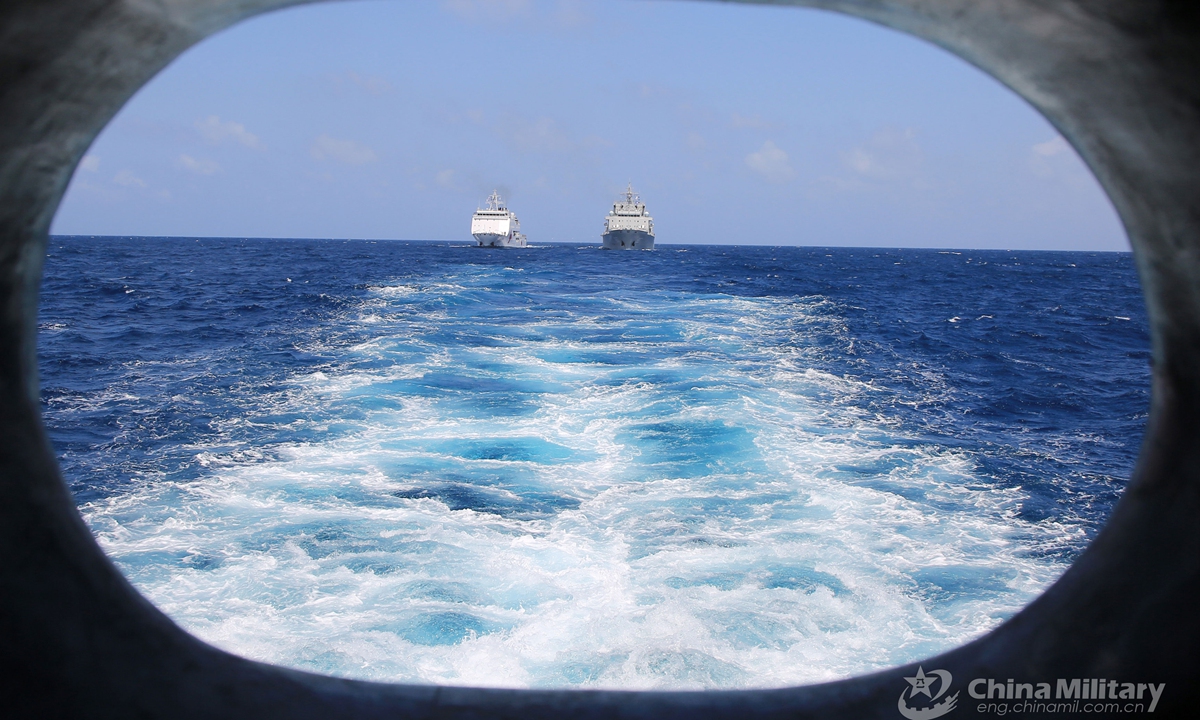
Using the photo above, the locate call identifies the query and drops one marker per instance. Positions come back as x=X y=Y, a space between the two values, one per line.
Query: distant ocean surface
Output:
x=696 y=467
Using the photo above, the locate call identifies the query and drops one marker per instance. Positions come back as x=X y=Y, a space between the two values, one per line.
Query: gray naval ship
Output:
x=628 y=226
x=496 y=226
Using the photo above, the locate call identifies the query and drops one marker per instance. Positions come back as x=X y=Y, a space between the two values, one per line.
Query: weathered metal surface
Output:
x=1119 y=78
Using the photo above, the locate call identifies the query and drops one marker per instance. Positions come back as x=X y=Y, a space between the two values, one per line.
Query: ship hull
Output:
x=627 y=240
x=499 y=241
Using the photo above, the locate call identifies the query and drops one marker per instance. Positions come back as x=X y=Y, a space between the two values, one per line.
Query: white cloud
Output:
x=771 y=163
x=202 y=166
x=90 y=163
x=862 y=162
x=1053 y=157
x=216 y=132
x=890 y=154
x=344 y=151
x=696 y=141
x=445 y=178
x=126 y=178
x=1052 y=147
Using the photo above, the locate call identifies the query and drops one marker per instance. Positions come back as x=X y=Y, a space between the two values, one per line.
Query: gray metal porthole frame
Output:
x=1119 y=78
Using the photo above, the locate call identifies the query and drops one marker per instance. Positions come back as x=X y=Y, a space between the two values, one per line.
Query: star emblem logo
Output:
x=921 y=683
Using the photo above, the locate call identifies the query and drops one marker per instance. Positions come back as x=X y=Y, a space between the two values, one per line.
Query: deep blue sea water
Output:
x=701 y=466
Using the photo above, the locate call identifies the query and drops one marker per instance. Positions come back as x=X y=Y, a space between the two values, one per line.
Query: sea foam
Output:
x=541 y=477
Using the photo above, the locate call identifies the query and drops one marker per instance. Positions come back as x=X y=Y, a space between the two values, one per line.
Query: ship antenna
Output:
x=494 y=201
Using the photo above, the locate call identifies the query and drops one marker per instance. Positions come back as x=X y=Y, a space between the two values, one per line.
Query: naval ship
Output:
x=496 y=225
x=628 y=226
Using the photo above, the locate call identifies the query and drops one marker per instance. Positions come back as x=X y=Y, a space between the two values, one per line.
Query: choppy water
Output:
x=697 y=467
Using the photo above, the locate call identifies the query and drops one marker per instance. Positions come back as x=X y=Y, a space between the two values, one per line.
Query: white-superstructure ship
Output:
x=496 y=225
x=628 y=226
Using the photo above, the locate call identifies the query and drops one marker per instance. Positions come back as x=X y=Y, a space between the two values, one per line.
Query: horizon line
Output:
x=468 y=243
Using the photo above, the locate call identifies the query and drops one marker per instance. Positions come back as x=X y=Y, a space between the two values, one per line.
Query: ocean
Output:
x=698 y=467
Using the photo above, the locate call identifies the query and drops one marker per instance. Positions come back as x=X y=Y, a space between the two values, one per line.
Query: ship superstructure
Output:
x=497 y=226
x=628 y=226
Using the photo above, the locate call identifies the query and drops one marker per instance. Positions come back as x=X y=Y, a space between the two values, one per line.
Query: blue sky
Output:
x=738 y=124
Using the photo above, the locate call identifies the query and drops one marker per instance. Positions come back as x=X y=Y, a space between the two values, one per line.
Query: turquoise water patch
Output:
x=946 y=585
x=805 y=579
x=511 y=449
x=446 y=628
x=421 y=463
x=694 y=448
